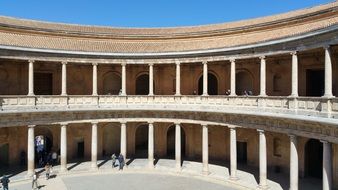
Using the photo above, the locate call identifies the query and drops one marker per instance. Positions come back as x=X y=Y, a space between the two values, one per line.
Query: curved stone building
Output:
x=260 y=93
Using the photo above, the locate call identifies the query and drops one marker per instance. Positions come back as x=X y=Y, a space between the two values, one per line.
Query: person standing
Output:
x=4 y=181
x=121 y=160
x=35 y=183
x=113 y=159
x=47 y=169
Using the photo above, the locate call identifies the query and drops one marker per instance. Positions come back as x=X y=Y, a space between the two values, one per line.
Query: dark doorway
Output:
x=171 y=142
x=242 y=152
x=315 y=82
x=80 y=149
x=111 y=84
x=43 y=83
x=141 y=141
x=314 y=158
x=4 y=153
x=212 y=85
x=142 y=85
x=244 y=82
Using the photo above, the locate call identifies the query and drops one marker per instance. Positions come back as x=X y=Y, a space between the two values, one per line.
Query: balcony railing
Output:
x=307 y=106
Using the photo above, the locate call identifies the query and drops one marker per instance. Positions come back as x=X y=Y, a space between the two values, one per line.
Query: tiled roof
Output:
x=45 y=35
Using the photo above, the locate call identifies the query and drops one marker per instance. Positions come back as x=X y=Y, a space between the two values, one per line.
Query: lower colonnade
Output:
x=263 y=151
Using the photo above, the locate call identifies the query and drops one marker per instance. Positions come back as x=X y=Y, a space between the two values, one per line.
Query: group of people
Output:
x=118 y=161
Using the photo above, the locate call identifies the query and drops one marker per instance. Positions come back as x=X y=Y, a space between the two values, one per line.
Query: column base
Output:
x=205 y=172
x=263 y=187
x=63 y=170
x=328 y=96
x=233 y=178
x=205 y=95
x=94 y=167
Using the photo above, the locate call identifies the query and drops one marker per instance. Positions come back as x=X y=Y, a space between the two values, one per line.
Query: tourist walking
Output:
x=121 y=160
x=35 y=183
x=47 y=169
x=4 y=181
x=113 y=160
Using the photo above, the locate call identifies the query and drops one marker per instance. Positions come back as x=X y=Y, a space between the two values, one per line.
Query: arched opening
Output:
x=111 y=84
x=314 y=158
x=111 y=140
x=212 y=84
x=43 y=146
x=141 y=141
x=171 y=133
x=244 y=82
x=142 y=85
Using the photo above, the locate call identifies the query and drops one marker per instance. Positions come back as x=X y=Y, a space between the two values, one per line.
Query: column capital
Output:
x=31 y=61
x=95 y=64
x=204 y=125
x=177 y=62
x=31 y=126
x=294 y=53
x=123 y=122
x=204 y=62
x=261 y=131
x=232 y=127
x=263 y=57
x=64 y=124
x=64 y=62
x=177 y=123
x=151 y=64
x=150 y=122
x=324 y=141
x=123 y=64
x=326 y=46
x=292 y=136
x=232 y=60
x=94 y=122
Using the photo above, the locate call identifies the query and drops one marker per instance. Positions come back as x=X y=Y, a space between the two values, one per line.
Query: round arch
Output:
x=43 y=144
x=141 y=141
x=244 y=82
x=111 y=84
x=171 y=141
x=212 y=84
x=313 y=158
x=142 y=84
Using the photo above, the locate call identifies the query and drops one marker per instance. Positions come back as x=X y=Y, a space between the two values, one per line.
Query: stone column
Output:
x=178 y=79
x=205 y=78
x=31 y=78
x=263 y=77
x=63 y=148
x=294 y=73
x=123 y=93
x=178 y=146
x=151 y=79
x=124 y=139
x=94 y=79
x=94 y=146
x=31 y=151
x=262 y=160
x=151 y=145
x=205 y=151
x=64 y=79
x=293 y=163
x=233 y=78
x=327 y=166
x=233 y=154
x=328 y=73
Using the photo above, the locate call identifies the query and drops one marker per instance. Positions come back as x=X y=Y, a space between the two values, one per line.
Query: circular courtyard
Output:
x=126 y=181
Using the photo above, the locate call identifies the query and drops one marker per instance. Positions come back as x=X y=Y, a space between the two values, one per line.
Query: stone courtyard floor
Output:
x=164 y=176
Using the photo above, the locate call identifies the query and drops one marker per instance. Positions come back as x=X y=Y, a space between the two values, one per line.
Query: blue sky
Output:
x=148 y=13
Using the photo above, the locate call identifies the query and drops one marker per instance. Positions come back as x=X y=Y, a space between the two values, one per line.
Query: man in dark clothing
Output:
x=121 y=160
x=4 y=181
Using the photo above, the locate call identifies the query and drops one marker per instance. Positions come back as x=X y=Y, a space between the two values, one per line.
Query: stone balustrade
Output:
x=307 y=106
